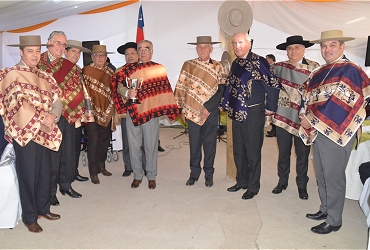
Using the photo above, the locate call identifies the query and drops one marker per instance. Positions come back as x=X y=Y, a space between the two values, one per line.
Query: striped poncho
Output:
x=291 y=78
x=155 y=94
x=334 y=101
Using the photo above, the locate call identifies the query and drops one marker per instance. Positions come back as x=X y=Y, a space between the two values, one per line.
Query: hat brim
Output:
x=28 y=45
x=226 y=60
x=102 y=52
x=82 y=49
x=344 y=39
x=204 y=43
x=121 y=49
x=235 y=6
x=283 y=46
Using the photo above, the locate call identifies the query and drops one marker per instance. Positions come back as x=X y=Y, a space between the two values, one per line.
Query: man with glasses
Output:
x=69 y=81
x=97 y=78
x=156 y=99
x=198 y=92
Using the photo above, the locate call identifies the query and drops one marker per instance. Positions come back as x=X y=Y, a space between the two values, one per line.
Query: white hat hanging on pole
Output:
x=235 y=16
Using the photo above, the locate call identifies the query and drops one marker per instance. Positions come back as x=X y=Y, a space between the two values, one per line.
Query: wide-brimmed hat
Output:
x=226 y=60
x=294 y=40
x=204 y=40
x=121 y=49
x=29 y=41
x=235 y=16
x=102 y=49
x=332 y=35
x=78 y=45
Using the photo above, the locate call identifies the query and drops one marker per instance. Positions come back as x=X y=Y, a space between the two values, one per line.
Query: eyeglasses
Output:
x=59 y=43
x=146 y=49
x=99 y=55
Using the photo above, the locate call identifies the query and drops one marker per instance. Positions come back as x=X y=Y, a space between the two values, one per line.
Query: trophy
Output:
x=134 y=84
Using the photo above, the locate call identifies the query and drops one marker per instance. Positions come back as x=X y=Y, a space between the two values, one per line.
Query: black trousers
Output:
x=98 y=138
x=247 y=146
x=203 y=136
x=34 y=176
x=285 y=140
x=64 y=160
x=78 y=139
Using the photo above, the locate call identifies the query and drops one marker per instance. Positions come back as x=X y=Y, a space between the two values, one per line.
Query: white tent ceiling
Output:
x=19 y=14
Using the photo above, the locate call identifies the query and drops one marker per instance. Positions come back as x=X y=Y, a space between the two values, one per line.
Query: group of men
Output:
x=46 y=98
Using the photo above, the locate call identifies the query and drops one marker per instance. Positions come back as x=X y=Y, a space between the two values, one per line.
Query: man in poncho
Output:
x=198 y=92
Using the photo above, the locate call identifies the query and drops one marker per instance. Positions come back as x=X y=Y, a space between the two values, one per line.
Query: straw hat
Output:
x=204 y=40
x=332 y=35
x=29 y=41
x=78 y=45
x=235 y=16
x=294 y=40
x=121 y=49
x=100 y=49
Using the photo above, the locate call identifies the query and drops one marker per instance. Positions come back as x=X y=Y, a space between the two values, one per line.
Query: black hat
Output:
x=294 y=40
x=121 y=49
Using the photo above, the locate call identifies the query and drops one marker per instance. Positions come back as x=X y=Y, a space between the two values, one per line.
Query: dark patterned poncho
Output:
x=239 y=84
x=334 y=101
x=68 y=78
x=155 y=94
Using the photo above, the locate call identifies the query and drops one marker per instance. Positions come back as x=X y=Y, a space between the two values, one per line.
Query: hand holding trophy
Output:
x=133 y=84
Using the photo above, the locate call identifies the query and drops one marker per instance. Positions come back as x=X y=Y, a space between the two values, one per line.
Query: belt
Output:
x=253 y=105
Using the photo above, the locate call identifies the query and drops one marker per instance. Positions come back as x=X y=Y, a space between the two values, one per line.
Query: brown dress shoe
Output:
x=105 y=172
x=50 y=216
x=135 y=183
x=152 y=184
x=94 y=179
x=34 y=228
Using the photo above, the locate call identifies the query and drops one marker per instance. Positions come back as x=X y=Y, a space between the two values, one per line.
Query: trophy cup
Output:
x=134 y=84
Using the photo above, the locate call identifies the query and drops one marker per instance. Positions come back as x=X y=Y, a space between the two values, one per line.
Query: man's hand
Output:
x=268 y=112
x=204 y=113
x=49 y=121
x=304 y=122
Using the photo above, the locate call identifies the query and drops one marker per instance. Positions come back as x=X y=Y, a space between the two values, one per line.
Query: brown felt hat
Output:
x=29 y=41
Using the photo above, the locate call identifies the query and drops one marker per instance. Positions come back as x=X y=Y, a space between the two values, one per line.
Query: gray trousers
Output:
x=206 y=136
x=145 y=136
x=285 y=143
x=330 y=162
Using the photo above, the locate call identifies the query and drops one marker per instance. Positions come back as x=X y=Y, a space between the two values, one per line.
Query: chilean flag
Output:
x=140 y=26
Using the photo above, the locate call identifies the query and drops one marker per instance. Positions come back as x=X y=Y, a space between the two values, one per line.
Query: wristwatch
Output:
x=56 y=120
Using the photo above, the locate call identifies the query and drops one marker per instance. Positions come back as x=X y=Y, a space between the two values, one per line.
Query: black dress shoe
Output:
x=279 y=188
x=235 y=188
x=209 y=182
x=303 y=193
x=248 y=195
x=81 y=178
x=71 y=193
x=318 y=216
x=271 y=135
x=191 y=181
x=160 y=149
x=325 y=228
x=126 y=173
x=54 y=201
